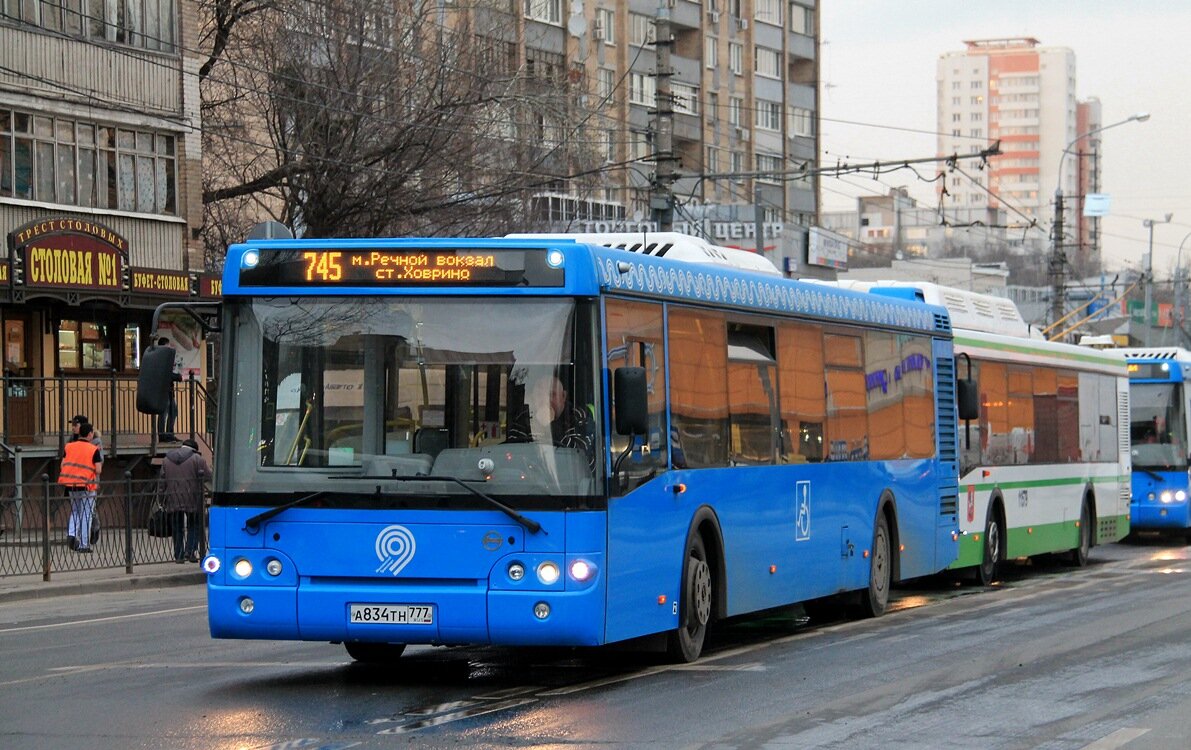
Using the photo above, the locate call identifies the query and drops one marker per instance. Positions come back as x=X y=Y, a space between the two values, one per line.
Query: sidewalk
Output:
x=66 y=583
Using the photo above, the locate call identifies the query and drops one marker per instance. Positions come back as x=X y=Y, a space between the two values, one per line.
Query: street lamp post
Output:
x=1058 y=259
x=1149 y=278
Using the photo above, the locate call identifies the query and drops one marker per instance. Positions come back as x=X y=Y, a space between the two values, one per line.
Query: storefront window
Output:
x=132 y=346
x=83 y=346
x=68 y=345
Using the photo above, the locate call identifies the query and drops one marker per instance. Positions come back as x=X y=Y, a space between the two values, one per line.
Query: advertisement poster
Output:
x=186 y=338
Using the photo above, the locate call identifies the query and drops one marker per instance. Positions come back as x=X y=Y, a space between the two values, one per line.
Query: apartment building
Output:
x=744 y=119
x=100 y=204
x=1022 y=94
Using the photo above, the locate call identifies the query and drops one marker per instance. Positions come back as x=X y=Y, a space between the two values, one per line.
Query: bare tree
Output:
x=371 y=118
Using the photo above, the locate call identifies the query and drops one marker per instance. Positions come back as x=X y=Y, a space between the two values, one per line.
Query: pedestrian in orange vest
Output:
x=81 y=466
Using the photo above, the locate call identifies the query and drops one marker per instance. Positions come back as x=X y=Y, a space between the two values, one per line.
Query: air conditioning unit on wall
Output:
x=742 y=23
x=713 y=16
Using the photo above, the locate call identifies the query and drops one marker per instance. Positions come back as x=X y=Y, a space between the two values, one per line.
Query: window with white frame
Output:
x=609 y=145
x=768 y=115
x=638 y=144
x=79 y=163
x=148 y=24
x=769 y=62
x=642 y=89
x=713 y=106
x=711 y=55
x=641 y=29
x=735 y=107
x=711 y=162
x=605 y=82
x=771 y=164
x=685 y=97
x=737 y=166
x=606 y=25
x=736 y=58
x=546 y=11
x=768 y=11
x=802 y=20
x=802 y=121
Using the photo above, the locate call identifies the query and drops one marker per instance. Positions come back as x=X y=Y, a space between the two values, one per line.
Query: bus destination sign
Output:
x=369 y=267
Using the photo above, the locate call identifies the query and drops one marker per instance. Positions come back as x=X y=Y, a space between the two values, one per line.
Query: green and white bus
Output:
x=1046 y=467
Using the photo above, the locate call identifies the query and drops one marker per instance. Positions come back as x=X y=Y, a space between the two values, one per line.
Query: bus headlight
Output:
x=548 y=573
x=273 y=567
x=1180 y=496
x=581 y=570
x=211 y=564
x=251 y=259
x=554 y=258
x=1166 y=496
x=242 y=568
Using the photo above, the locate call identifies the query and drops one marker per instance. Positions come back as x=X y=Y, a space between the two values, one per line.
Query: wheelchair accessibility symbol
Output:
x=802 y=491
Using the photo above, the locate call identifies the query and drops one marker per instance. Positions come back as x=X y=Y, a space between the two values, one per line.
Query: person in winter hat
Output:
x=180 y=485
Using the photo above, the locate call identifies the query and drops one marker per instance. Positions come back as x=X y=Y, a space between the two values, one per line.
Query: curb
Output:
x=44 y=590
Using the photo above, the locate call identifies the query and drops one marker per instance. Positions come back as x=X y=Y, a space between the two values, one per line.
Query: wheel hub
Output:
x=700 y=592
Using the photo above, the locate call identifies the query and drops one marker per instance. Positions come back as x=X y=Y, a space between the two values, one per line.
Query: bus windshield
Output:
x=1156 y=419
x=348 y=392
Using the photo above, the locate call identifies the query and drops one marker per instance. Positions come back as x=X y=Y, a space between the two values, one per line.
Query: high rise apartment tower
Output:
x=1023 y=95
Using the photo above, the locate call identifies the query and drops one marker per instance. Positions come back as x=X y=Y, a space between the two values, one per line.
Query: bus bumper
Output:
x=1159 y=516
x=464 y=612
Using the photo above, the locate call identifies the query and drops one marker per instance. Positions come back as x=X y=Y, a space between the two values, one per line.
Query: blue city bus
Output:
x=546 y=442
x=1158 y=428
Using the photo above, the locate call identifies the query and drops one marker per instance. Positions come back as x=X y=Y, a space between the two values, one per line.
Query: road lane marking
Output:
x=94 y=620
x=1117 y=739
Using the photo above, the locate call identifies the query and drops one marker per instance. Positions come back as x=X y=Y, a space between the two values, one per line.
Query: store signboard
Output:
x=68 y=253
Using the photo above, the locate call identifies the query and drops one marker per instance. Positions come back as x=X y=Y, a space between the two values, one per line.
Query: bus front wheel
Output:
x=686 y=642
x=374 y=653
x=875 y=599
x=986 y=573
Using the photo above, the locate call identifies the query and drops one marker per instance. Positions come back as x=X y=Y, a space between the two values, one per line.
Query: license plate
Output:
x=390 y=614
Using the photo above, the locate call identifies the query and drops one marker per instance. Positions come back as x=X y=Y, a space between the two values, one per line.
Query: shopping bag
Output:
x=160 y=523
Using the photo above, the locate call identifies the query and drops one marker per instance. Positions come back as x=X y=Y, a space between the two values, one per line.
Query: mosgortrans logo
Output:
x=395 y=547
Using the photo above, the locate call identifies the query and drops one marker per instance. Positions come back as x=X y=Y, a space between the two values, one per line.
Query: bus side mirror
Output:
x=967 y=398
x=631 y=399
x=155 y=381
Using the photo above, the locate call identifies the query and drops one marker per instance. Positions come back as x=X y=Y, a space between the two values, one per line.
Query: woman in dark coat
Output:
x=181 y=487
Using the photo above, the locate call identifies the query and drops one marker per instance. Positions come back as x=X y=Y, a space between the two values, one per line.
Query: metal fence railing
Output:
x=35 y=515
x=35 y=411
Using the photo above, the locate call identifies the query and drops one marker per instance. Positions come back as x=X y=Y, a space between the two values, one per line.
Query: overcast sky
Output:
x=878 y=68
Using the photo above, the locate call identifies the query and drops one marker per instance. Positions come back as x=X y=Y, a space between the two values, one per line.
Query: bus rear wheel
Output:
x=986 y=573
x=1079 y=554
x=374 y=653
x=685 y=644
x=875 y=599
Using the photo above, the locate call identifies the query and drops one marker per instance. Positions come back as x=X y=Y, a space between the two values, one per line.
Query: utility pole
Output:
x=1149 y=224
x=661 y=200
x=1058 y=260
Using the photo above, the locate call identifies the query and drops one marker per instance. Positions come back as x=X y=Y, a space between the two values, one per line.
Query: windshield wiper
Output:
x=254 y=523
x=1149 y=472
x=533 y=526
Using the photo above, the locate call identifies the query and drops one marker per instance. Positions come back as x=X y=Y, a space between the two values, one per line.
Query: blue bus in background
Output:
x=539 y=441
x=1158 y=427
